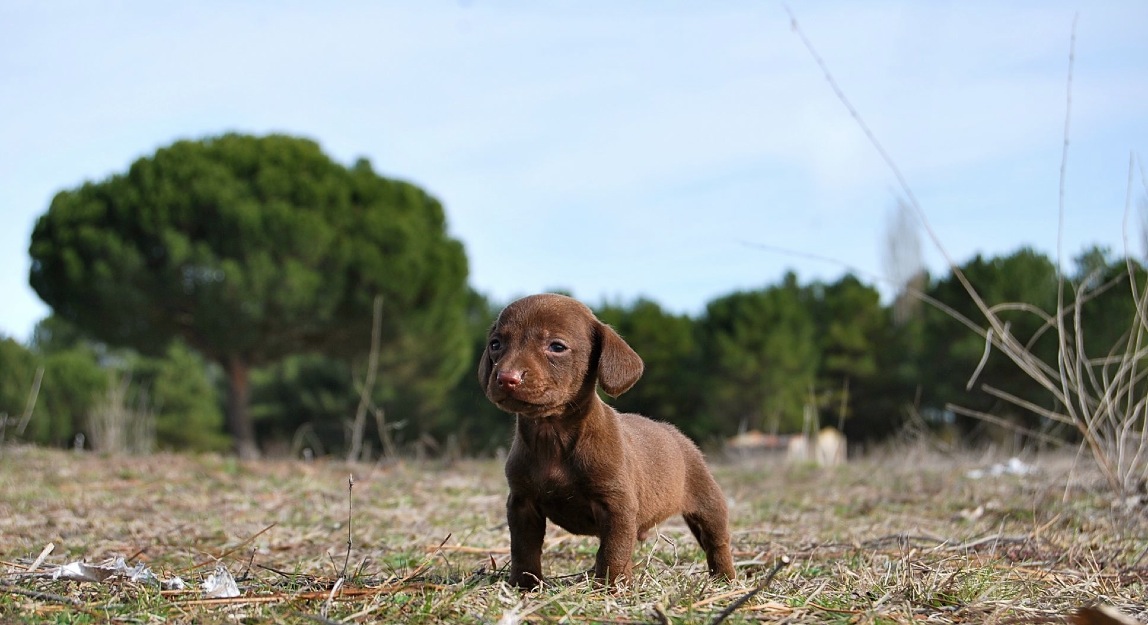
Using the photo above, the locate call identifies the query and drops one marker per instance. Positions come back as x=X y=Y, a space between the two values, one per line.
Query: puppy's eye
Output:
x=556 y=347
x=495 y=345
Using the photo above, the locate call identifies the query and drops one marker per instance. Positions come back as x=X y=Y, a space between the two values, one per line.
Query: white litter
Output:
x=1014 y=466
x=220 y=584
x=83 y=572
x=114 y=567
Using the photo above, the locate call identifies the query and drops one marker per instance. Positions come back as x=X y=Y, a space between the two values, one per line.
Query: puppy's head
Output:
x=547 y=352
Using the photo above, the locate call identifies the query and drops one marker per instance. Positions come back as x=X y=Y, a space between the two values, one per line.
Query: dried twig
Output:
x=228 y=553
x=40 y=558
x=350 y=503
x=36 y=594
x=724 y=614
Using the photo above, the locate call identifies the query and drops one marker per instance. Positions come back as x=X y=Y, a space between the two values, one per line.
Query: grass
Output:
x=894 y=538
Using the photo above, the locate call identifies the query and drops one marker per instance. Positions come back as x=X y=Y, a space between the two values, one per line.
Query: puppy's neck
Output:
x=589 y=418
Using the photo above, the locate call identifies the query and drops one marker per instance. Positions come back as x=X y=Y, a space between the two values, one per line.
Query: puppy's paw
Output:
x=525 y=580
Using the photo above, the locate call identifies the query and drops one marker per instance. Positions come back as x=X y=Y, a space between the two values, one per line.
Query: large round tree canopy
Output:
x=258 y=246
x=251 y=249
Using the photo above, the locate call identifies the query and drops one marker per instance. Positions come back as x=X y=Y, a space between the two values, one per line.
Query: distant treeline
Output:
x=248 y=292
x=762 y=359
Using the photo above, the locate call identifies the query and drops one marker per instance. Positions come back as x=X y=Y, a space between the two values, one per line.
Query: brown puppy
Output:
x=578 y=462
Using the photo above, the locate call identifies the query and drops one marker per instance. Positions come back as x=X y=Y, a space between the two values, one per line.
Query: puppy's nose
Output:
x=509 y=378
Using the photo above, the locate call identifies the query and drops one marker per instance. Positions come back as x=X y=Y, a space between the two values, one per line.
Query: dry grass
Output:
x=906 y=537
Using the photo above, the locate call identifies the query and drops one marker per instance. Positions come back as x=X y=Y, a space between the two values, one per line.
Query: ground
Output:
x=903 y=535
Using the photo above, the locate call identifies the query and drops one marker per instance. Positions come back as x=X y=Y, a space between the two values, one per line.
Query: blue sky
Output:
x=612 y=149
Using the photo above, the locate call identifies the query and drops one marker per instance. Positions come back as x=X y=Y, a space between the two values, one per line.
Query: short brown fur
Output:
x=577 y=461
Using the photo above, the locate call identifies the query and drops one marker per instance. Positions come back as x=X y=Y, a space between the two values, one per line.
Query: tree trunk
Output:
x=238 y=418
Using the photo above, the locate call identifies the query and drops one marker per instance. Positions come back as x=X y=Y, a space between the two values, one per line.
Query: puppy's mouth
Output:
x=522 y=402
x=515 y=401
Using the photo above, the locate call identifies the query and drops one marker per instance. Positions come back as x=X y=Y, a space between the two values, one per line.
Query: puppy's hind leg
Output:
x=708 y=520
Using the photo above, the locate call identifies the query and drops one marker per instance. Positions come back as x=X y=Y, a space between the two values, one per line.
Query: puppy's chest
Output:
x=564 y=497
x=567 y=500
x=552 y=480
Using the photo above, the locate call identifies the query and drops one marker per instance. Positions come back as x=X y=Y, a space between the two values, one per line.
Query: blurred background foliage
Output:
x=260 y=254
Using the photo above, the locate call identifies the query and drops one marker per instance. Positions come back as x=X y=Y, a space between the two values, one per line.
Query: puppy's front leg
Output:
x=618 y=532
x=527 y=531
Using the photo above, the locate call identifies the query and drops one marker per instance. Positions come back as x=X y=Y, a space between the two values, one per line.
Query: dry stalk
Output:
x=350 y=510
x=117 y=427
x=30 y=405
x=1099 y=398
x=356 y=448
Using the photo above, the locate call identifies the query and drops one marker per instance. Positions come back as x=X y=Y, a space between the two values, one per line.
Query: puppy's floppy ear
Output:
x=484 y=363
x=619 y=366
